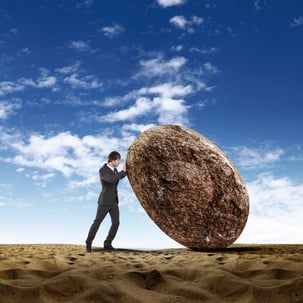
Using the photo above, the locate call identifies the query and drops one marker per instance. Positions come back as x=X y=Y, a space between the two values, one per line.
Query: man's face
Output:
x=116 y=162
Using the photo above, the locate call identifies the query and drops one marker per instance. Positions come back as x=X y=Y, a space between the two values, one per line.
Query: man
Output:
x=108 y=200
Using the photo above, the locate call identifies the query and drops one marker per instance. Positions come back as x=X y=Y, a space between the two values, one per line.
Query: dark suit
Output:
x=107 y=203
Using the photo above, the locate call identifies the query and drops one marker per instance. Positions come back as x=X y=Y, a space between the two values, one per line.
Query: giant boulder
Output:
x=188 y=187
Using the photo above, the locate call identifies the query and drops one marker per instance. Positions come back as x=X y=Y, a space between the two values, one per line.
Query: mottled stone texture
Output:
x=189 y=188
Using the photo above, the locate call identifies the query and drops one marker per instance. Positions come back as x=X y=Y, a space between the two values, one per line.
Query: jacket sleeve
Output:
x=108 y=176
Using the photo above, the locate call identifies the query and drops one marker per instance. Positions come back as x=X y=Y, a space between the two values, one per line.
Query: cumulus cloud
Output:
x=22 y=83
x=43 y=81
x=141 y=107
x=262 y=157
x=65 y=153
x=210 y=68
x=133 y=127
x=69 y=69
x=71 y=75
x=171 y=111
x=8 y=108
x=274 y=203
x=112 y=31
x=182 y=23
x=7 y=87
x=79 y=45
x=85 y=82
x=157 y=67
x=178 y=21
x=175 y=70
x=161 y=102
x=168 y=3
x=46 y=81
x=177 y=48
x=167 y=90
x=203 y=51
x=164 y=110
x=164 y=100
x=161 y=99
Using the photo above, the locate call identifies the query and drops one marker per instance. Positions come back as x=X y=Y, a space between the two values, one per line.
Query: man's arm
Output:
x=108 y=176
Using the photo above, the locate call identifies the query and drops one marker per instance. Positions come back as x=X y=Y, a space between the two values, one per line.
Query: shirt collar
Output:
x=112 y=168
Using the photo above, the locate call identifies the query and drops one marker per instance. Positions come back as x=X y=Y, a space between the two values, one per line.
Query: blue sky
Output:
x=82 y=78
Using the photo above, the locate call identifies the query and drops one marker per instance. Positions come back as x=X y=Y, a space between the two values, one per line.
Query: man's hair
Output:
x=114 y=155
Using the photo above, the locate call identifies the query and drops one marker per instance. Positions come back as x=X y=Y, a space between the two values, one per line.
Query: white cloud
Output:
x=67 y=74
x=178 y=21
x=79 y=45
x=141 y=107
x=112 y=31
x=73 y=78
x=159 y=67
x=164 y=102
x=281 y=195
x=167 y=3
x=8 y=108
x=210 y=50
x=157 y=101
x=86 y=82
x=167 y=90
x=70 y=69
x=112 y=101
x=171 y=111
x=48 y=81
x=297 y=21
x=41 y=180
x=257 y=158
x=177 y=48
x=68 y=154
x=138 y=128
x=10 y=87
x=196 y=20
x=184 y=24
x=43 y=81
x=276 y=211
x=210 y=68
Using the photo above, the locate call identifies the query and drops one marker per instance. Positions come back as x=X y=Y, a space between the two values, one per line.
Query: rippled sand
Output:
x=66 y=273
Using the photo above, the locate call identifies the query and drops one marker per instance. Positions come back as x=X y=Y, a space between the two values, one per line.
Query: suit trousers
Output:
x=102 y=211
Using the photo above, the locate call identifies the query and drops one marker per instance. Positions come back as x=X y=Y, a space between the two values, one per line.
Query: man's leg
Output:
x=101 y=213
x=114 y=214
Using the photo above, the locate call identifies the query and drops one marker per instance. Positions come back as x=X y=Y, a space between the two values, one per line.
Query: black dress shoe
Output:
x=109 y=247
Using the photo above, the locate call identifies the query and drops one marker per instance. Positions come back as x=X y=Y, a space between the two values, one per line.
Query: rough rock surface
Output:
x=189 y=188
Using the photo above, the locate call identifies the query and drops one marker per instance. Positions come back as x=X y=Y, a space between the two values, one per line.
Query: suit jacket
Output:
x=109 y=181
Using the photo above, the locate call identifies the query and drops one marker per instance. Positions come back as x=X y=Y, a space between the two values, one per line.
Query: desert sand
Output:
x=48 y=273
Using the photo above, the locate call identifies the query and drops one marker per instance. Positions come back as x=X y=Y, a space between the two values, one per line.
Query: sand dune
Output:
x=66 y=273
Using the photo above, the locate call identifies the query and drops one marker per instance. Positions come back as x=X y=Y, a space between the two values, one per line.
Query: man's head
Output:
x=114 y=158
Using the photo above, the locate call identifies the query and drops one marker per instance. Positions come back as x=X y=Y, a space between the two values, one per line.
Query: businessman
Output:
x=108 y=200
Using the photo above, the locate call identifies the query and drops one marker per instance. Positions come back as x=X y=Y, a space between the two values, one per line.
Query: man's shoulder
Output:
x=104 y=168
